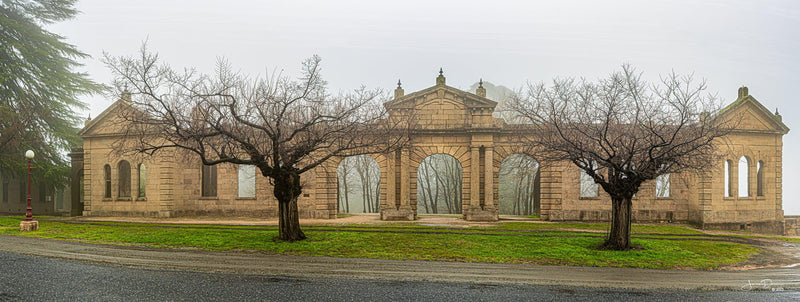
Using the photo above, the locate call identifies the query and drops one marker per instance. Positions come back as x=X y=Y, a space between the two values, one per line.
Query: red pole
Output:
x=29 y=211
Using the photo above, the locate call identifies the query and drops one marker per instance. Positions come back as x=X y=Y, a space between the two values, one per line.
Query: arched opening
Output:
x=519 y=185
x=439 y=185
x=124 y=179
x=142 y=181
x=107 y=181
x=744 y=173
x=728 y=178
x=760 y=178
x=359 y=185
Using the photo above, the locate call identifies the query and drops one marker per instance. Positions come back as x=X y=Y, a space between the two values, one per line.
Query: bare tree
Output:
x=622 y=131
x=283 y=126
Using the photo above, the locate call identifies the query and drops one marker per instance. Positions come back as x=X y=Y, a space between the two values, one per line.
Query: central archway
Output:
x=439 y=185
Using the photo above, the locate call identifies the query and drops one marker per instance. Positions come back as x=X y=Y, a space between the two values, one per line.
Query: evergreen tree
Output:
x=39 y=87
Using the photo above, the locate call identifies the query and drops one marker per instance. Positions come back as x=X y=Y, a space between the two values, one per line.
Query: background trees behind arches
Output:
x=519 y=185
x=439 y=185
x=359 y=185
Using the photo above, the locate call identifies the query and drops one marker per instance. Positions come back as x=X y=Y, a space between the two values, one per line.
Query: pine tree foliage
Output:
x=39 y=87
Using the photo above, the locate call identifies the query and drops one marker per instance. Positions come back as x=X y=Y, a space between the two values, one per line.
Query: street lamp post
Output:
x=29 y=211
x=29 y=224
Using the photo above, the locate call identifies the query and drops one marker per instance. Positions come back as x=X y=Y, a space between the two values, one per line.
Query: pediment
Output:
x=109 y=122
x=441 y=94
x=753 y=116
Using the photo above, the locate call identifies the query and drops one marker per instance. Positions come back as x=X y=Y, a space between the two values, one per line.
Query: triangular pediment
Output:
x=442 y=93
x=751 y=115
x=109 y=122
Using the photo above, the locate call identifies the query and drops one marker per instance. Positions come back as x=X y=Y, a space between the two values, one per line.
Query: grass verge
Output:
x=664 y=247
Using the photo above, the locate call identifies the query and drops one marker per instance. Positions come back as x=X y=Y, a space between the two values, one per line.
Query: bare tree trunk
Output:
x=377 y=196
x=287 y=189
x=620 y=235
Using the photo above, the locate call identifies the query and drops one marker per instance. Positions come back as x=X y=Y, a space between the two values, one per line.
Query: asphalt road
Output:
x=26 y=278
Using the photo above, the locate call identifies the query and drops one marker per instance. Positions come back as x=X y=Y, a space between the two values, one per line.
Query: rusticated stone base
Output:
x=401 y=214
x=478 y=214
x=28 y=226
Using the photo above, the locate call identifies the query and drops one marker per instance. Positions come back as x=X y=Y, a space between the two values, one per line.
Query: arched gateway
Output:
x=457 y=124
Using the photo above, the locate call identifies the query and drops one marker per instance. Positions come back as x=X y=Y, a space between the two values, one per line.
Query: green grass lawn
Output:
x=512 y=242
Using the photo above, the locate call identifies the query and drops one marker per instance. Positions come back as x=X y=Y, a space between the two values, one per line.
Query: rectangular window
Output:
x=588 y=186
x=209 y=184
x=247 y=181
x=662 y=185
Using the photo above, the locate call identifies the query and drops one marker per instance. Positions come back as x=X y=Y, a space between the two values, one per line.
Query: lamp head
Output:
x=29 y=154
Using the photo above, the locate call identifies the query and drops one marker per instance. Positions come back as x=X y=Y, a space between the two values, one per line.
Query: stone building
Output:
x=45 y=199
x=743 y=193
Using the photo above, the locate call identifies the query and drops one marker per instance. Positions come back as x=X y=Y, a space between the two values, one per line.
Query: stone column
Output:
x=488 y=201
x=405 y=184
x=391 y=191
x=474 y=178
x=404 y=210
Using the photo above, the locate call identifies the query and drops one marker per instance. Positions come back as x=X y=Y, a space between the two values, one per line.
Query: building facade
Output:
x=743 y=192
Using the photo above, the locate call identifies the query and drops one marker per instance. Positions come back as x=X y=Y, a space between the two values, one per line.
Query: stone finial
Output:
x=126 y=96
x=480 y=91
x=743 y=92
x=88 y=119
x=778 y=115
x=440 y=80
x=398 y=92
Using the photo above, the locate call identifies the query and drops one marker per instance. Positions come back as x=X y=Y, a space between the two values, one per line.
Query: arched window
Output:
x=209 y=181
x=662 y=185
x=142 y=181
x=728 y=178
x=124 y=178
x=760 y=178
x=588 y=186
x=744 y=175
x=107 y=179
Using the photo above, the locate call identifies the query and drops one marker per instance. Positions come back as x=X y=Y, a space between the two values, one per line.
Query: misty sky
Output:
x=375 y=43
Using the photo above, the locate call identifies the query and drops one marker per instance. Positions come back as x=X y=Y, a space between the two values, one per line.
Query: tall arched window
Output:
x=760 y=178
x=124 y=179
x=142 y=181
x=107 y=179
x=728 y=178
x=744 y=173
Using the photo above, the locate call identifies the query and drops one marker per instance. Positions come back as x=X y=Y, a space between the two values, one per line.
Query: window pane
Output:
x=744 y=186
x=588 y=186
x=142 y=180
x=209 y=181
x=247 y=181
x=124 y=179
x=662 y=185
x=728 y=177
x=107 y=172
x=760 y=179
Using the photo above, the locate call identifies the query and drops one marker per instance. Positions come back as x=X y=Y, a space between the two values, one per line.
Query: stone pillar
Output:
x=475 y=179
x=476 y=212
x=488 y=202
x=404 y=210
x=391 y=190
